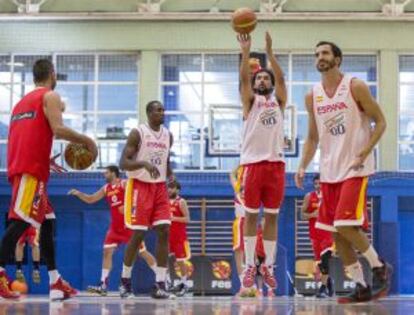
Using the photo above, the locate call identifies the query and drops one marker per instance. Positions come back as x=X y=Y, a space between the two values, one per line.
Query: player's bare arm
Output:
x=280 y=85
x=311 y=144
x=246 y=91
x=186 y=214
x=128 y=161
x=303 y=213
x=93 y=198
x=369 y=105
x=170 y=174
x=53 y=108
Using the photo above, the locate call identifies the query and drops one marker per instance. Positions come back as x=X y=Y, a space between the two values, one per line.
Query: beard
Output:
x=264 y=91
x=325 y=66
x=173 y=195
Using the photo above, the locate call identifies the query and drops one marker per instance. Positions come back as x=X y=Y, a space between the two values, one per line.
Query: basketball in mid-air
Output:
x=244 y=20
x=78 y=157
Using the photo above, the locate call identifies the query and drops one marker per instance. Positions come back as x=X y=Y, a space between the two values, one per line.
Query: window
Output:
x=406 y=106
x=192 y=83
x=100 y=92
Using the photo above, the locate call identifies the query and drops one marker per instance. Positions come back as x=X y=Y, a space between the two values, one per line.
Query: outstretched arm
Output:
x=88 y=198
x=246 y=91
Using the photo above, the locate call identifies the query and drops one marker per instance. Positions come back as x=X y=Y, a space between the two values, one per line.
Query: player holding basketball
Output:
x=261 y=156
x=146 y=159
x=31 y=237
x=341 y=110
x=118 y=233
x=38 y=113
x=179 y=245
x=322 y=241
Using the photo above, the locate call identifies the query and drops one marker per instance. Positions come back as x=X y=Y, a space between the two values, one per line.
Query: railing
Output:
x=208 y=236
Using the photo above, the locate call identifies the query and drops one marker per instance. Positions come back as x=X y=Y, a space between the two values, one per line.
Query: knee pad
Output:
x=324 y=263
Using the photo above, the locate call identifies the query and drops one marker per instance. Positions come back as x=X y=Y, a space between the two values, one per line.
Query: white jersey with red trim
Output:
x=155 y=149
x=344 y=130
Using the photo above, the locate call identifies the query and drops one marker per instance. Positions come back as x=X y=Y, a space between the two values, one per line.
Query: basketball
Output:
x=244 y=20
x=78 y=157
x=19 y=286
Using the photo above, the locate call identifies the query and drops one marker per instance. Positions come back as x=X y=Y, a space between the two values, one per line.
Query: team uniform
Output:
x=146 y=199
x=31 y=236
x=322 y=240
x=344 y=129
x=28 y=169
x=262 y=157
x=117 y=233
x=179 y=245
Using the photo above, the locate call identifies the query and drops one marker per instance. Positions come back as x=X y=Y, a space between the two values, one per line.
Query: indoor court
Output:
x=221 y=76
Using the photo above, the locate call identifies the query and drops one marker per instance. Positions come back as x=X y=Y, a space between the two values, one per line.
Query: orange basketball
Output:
x=244 y=20
x=19 y=286
x=78 y=157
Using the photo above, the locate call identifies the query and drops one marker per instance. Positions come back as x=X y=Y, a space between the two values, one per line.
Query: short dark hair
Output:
x=270 y=73
x=316 y=177
x=175 y=183
x=150 y=104
x=337 y=52
x=42 y=69
x=113 y=169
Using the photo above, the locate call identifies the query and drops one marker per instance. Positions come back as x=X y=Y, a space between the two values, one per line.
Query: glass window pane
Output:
x=77 y=97
x=298 y=96
x=5 y=90
x=303 y=67
x=4 y=125
x=117 y=97
x=302 y=126
x=406 y=156
x=5 y=69
x=3 y=156
x=284 y=63
x=115 y=126
x=23 y=68
x=184 y=127
x=182 y=97
x=118 y=68
x=109 y=153
x=406 y=127
x=406 y=98
x=221 y=94
x=221 y=68
x=221 y=163
x=19 y=91
x=76 y=67
x=363 y=67
x=82 y=123
x=185 y=156
x=181 y=68
x=406 y=68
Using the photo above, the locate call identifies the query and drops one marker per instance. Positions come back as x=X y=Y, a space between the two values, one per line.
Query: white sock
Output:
x=2 y=269
x=249 y=249
x=269 y=249
x=184 y=279
x=104 y=275
x=241 y=278
x=160 y=274
x=126 y=271
x=357 y=274
x=372 y=257
x=53 y=276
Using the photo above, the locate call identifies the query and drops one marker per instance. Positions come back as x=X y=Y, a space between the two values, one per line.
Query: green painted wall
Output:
x=388 y=39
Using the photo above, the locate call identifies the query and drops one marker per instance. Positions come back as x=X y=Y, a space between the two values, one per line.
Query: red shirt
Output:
x=177 y=229
x=30 y=138
x=115 y=197
x=314 y=203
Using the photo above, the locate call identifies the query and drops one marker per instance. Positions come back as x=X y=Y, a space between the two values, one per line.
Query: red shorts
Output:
x=31 y=236
x=114 y=238
x=180 y=249
x=263 y=184
x=322 y=244
x=29 y=200
x=343 y=204
x=146 y=204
